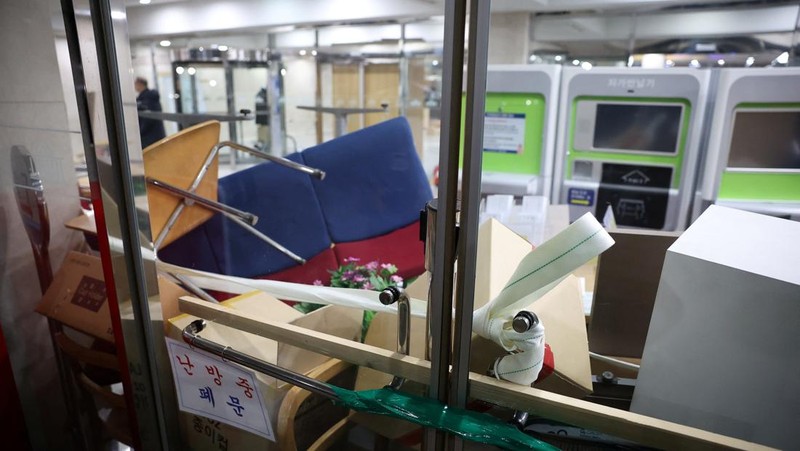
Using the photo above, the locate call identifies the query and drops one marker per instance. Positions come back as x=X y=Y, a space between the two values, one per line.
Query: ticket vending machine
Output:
x=520 y=129
x=629 y=139
x=753 y=158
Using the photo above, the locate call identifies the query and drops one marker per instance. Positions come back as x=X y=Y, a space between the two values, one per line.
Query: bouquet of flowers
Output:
x=370 y=276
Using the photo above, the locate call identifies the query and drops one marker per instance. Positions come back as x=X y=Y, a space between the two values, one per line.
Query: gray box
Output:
x=722 y=349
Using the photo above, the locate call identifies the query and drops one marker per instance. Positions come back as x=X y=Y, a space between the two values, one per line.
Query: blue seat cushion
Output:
x=193 y=250
x=288 y=212
x=375 y=182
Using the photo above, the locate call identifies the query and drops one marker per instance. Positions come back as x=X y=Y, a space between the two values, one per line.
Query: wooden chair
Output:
x=302 y=407
x=94 y=372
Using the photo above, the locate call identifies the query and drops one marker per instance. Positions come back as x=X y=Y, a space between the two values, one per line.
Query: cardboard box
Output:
x=203 y=434
x=721 y=350
x=627 y=282
x=77 y=297
x=561 y=310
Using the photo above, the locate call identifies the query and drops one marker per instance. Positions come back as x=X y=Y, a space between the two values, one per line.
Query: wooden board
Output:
x=177 y=160
x=641 y=429
x=82 y=223
x=346 y=93
x=381 y=85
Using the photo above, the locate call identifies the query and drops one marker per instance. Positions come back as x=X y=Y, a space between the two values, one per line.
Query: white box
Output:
x=722 y=348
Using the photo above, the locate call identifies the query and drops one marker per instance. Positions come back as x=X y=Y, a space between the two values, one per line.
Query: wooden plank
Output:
x=340 y=348
x=177 y=159
x=639 y=428
x=381 y=85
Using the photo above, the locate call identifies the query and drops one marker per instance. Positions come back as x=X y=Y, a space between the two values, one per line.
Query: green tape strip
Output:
x=469 y=425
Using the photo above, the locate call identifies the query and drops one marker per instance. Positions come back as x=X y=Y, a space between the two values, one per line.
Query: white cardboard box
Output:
x=722 y=348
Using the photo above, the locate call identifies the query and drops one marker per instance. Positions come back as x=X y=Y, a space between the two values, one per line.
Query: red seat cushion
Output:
x=401 y=247
x=316 y=268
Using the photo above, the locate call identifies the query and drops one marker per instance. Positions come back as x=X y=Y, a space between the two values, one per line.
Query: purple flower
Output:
x=358 y=278
x=389 y=267
x=367 y=286
x=372 y=266
x=348 y=275
x=318 y=283
x=396 y=279
x=352 y=260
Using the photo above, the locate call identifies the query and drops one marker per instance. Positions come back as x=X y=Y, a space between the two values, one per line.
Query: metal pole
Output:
x=153 y=65
x=190 y=197
x=403 y=66
x=226 y=352
x=470 y=198
x=140 y=344
x=313 y=172
x=441 y=301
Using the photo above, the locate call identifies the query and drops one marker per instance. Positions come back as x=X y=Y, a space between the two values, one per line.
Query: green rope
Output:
x=469 y=425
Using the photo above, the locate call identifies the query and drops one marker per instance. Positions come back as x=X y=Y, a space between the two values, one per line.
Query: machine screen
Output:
x=644 y=128
x=765 y=140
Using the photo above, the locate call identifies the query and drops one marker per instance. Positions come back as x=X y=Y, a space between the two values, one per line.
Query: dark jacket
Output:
x=150 y=130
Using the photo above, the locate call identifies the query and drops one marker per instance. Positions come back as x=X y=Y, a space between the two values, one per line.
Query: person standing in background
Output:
x=150 y=130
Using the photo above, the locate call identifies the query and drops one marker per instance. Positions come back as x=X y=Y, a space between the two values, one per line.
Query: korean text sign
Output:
x=210 y=387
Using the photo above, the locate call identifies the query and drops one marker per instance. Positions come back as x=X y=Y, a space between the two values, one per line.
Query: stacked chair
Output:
x=367 y=207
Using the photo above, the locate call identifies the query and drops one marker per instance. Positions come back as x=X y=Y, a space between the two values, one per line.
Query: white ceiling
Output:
x=589 y=20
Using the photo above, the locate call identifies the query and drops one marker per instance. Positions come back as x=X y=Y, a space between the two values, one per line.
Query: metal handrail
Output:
x=226 y=352
x=389 y=296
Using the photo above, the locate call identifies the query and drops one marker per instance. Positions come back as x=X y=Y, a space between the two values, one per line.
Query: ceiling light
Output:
x=435 y=62
x=222 y=48
x=586 y=65
x=117 y=15
x=144 y=2
x=694 y=63
x=165 y=43
x=302 y=53
x=576 y=62
x=721 y=62
x=669 y=63
x=212 y=83
x=313 y=53
x=191 y=71
x=749 y=61
x=179 y=70
x=559 y=57
x=783 y=58
x=283 y=71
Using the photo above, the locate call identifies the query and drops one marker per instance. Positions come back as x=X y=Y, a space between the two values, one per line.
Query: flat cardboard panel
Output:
x=77 y=297
x=625 y=291
x=721 y=348
x=500 y=251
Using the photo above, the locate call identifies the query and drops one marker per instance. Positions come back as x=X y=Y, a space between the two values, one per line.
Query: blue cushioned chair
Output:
x=374 y=185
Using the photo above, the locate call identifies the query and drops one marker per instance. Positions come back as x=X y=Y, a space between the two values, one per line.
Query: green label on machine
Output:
x=512 y=135
x=759 y=186
x=760 y=166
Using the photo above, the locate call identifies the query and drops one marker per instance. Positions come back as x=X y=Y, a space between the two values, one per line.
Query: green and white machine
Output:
x=520 y=129
x=753 y=159
x=629 y=139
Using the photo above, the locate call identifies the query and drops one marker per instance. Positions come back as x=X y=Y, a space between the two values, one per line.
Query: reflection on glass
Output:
x=765 y=140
